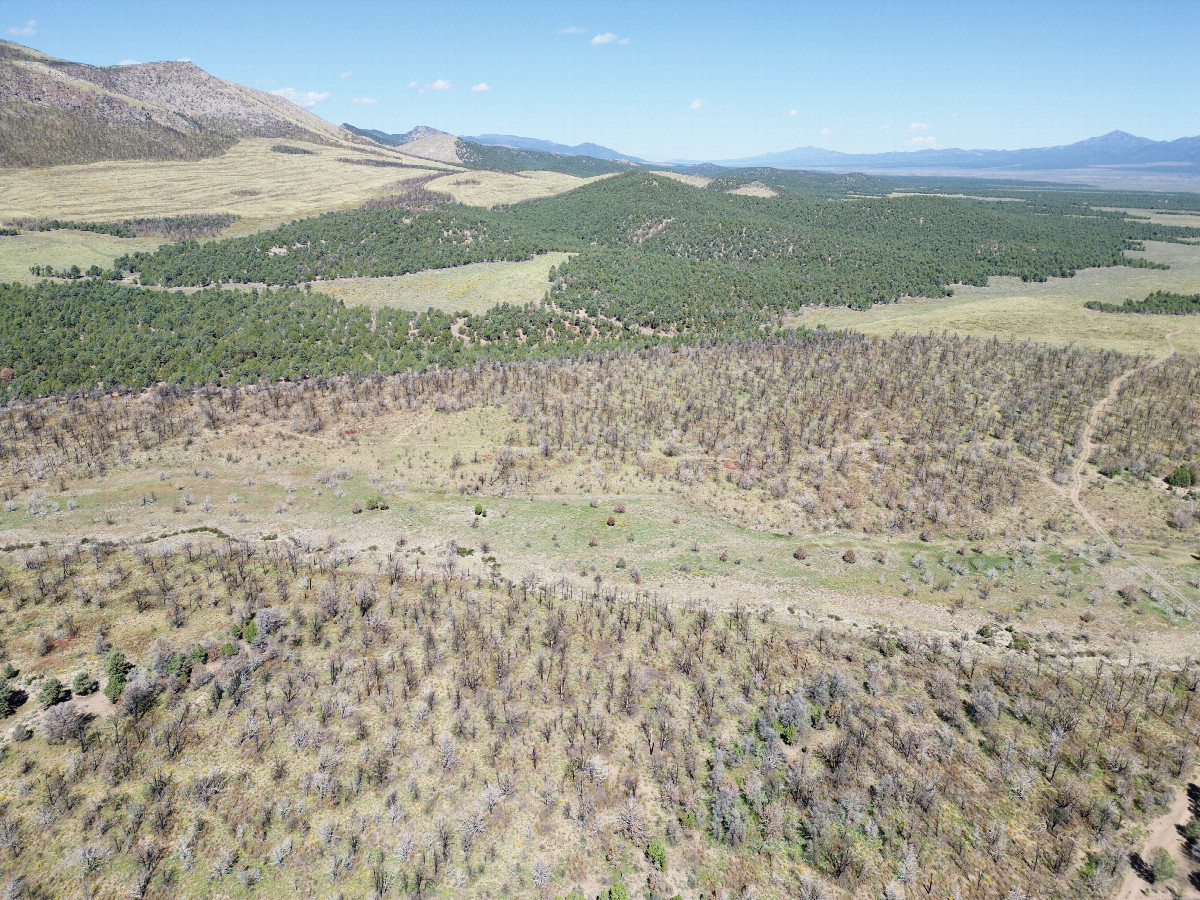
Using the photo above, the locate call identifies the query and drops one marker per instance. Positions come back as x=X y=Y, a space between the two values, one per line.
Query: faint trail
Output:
x=1076 y=484
x=1163 y=833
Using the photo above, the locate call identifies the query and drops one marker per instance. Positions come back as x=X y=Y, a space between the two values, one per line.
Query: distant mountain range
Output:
x=1115 y=149
x=54 y=112
x=525 y=143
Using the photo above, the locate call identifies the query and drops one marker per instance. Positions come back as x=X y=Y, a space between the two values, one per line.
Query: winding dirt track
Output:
x=1164 y=833
x=1086 y=452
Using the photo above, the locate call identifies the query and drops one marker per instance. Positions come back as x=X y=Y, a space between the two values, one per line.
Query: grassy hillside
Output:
x=59 y=113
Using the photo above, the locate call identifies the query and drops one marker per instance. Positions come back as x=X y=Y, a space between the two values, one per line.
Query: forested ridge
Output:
x=813 y=244
x=1159 y=302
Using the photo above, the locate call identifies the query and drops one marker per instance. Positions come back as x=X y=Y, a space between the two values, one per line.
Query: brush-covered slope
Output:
x=54 y=112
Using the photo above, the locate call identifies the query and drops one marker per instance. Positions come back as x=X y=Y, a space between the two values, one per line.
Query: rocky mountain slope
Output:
x=54 y=112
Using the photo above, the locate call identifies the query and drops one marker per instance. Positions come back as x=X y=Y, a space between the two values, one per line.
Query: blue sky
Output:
x=700 y=80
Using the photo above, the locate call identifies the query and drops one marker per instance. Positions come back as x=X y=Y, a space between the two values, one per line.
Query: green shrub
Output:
x=657 y=854
x=479 y=509
x=10 y=671
x=250 y=632
x=52 y=692
x=1183 y=477
x=1163 y=867
x=84 y=684
x=116 y=667
x=10 y=698
x=228 y=650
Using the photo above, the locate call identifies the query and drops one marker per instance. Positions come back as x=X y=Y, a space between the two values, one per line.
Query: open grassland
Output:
x=64 y=248
x=473 y=288
x=250 y=181
x=700 y=181
x=487 y=188
x=1051 y=311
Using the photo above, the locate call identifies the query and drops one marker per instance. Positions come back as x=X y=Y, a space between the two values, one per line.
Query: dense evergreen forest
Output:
x=654 y=259
x=80 y=335
x=1160 y=302
x=819 y=242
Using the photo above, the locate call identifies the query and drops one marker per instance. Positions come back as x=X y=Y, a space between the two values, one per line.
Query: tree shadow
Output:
x=1140 y=868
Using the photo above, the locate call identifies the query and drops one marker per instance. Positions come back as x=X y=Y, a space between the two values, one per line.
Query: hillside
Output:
x=54 y=112
x=429 y=143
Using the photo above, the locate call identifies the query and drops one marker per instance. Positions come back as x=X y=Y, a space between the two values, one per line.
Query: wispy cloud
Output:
x=791 y=112
x=928 y=142
x=364 y=101
x=571 y=29
x=266 y=81
x=26 y=30
x=918 y=126
x=308 y=98
x=696 y=104
x=608 y=38
x=440 y=85
x=953 y=115
x=345 y=75
x=826 y=130
x=481 y=88
x=129 y=62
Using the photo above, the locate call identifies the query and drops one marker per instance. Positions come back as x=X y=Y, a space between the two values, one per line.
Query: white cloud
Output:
x=482 y=87
x=826 y=130
x=624 y=41
x=345 y=75
x=791 y=112
x=308 y=98
x=922 y=143
x=607 y=38
x=918 y=126
x=26 y=30
x=953 y=115
x=571 y=29
x=696 y=104
x=364 y=101
x=440 y=85
x=266 y=81
x=184 y=59
x=129 y=62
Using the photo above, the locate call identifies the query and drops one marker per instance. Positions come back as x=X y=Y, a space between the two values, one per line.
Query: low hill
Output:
x=429 y=143
x=54 y=112
x=524 y=143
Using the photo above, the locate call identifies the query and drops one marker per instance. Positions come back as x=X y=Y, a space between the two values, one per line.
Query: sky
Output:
x=672 y=80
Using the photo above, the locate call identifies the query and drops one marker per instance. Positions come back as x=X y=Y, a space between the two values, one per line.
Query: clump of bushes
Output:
x=84 y=684
x=1183 y=477
x=117 y=669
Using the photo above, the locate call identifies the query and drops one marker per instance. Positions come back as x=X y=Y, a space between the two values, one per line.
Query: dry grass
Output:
x=61 y=249
x=475 y=288
x=486 y=188
x=249 y=180
x=1051 y=311
x=755 y=189
x=699 y=181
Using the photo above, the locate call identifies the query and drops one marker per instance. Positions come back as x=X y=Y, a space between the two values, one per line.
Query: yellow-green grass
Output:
x=1051 y=311
x=755 y=189
x=250 y=181
x=483 y=188
x=62 y=249
x=699 y=181
x=1184 y=220
x=262 y=481
x=475 y=288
